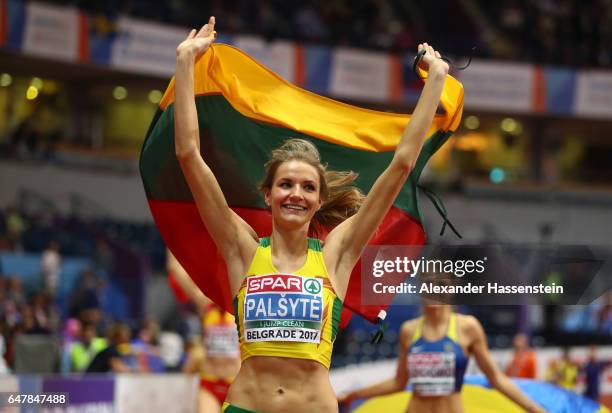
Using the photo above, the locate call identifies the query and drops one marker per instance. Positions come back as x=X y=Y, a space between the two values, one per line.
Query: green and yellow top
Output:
x=287 y=315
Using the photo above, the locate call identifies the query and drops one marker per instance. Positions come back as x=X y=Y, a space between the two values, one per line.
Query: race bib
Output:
x=221 y=341
x=432 y=374
x=282 y=307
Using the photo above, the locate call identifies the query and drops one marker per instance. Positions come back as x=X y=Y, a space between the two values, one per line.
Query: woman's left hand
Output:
x=431 y=59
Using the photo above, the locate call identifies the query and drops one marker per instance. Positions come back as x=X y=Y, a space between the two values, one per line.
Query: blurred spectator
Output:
x=604 y=318
x=111 y=358
x=103 y=259
x=50 y=264
x=190 y=321
x=310 y=26
x=523 y=363
x=29 y=324
x=12 y=316
x=88 y=346
x=85 y=298
x=72 y=331
x=147 y=339
x=592 y=369
x=563 y=372
x=3 y=364
x=145 y=347
x=45 y=314
x=14 y=290
x=15 y=227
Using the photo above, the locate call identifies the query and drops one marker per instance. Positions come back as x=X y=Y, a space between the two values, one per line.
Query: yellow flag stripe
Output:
x=260 y=94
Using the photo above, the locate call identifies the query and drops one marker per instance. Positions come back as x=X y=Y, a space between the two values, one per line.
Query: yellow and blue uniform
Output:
x=287 y=315
x=436 y=368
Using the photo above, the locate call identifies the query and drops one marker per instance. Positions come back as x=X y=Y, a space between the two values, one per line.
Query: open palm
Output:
x=198 y=42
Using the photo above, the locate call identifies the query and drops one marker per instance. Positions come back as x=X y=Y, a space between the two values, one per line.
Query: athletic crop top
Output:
x=436 y=368
x=220 y=338
x=287 y=315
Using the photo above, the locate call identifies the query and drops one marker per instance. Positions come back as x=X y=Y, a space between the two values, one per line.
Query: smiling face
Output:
x=294 y=196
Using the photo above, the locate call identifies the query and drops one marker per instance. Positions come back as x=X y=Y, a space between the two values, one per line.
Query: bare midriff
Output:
x=225 y=368
x=280 y=385
x=447 y=404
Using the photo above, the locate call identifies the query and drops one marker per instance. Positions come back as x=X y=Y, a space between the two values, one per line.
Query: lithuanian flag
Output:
x=245 y=111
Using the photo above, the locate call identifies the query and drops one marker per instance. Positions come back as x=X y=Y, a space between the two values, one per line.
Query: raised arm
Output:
x=185 y=282
x=345 y=243
x=497 y=379
x=391 y=385
x=231 y=236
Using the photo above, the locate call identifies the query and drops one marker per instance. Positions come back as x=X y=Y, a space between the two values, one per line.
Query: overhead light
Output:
x=36 y=82
x=472 y=122
x=5 y=80
x=155 y=96
x=497 y=175
x=508 y=125
x=511 y=126
x=31 y=93
x=120 y=93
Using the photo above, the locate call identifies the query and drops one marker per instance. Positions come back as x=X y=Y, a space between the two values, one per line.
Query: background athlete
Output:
x=216 y=357
x=434 y=353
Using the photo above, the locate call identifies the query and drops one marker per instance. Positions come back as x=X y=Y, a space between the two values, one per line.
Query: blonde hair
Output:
x=340 y=198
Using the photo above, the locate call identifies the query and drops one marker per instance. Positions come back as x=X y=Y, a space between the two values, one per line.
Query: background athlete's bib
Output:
x=221 y=341
x=432 y=374
x=283 y=307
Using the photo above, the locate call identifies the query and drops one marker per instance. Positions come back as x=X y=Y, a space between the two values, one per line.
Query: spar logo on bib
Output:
x=312 y=285
x=274 y=283
x=283 y=307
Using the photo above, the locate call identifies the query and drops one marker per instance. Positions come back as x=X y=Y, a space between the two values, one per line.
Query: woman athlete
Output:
x=434 y=353
x=216 y=357
x=288 y=290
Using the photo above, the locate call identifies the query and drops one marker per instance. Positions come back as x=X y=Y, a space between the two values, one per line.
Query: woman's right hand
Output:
x=197 y=43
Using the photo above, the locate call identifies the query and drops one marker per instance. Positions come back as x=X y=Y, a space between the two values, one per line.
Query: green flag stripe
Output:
x=315 y=325
x=236 y=148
